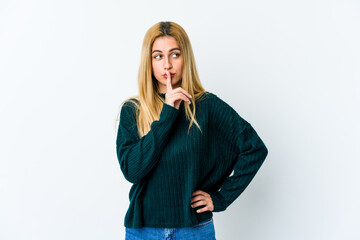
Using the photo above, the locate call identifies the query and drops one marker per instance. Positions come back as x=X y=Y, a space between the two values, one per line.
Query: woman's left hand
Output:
x=202 y=198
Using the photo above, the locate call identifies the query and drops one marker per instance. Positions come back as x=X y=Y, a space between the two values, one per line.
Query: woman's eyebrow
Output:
x=169 y=50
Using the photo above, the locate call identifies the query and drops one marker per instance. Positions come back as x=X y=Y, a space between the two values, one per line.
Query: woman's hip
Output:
x=204 y=230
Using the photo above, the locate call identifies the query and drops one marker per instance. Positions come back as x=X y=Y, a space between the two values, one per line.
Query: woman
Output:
x=178 y=145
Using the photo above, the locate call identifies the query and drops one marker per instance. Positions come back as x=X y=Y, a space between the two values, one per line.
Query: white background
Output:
x=291 y=68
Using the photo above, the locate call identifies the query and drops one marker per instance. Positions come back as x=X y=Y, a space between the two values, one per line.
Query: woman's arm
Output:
x=250 y=151
x=252 y=154
x=138 y=156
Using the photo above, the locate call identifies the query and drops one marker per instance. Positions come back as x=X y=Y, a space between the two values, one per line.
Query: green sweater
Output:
x=166 y=165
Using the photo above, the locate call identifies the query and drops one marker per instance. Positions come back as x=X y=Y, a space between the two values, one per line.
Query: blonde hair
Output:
x=149 y=103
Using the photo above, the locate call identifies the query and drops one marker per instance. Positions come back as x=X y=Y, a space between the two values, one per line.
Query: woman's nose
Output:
x=167 y=63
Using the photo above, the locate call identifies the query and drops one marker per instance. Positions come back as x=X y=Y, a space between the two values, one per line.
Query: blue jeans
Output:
x=203 y=231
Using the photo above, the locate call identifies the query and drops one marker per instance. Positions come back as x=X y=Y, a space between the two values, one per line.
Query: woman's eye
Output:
x=176 y=55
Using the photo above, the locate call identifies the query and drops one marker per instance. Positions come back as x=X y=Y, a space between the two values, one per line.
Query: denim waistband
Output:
x=204 y=222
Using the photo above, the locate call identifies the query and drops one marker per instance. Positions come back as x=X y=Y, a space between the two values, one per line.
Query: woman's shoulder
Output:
x=130 y=106
x=132 y=102
x=220 y=107
x=213 y=98
x=206 y=96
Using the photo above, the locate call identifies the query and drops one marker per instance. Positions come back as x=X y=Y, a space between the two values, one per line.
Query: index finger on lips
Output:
x=168 y=82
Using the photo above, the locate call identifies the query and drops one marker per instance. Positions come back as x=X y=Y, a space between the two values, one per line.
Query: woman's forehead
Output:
x=165 y=43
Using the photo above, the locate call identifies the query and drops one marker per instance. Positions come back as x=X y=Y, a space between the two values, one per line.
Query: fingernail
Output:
x=198 y=211
x=190 y=96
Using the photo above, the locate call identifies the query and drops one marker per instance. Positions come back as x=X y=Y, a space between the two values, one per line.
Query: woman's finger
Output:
x=199 y=203
x=202 y=198
x=200 y=192
x=168 y=82
x=197 y=198
x=180 y=96
x=180 y=89
x=204 y=209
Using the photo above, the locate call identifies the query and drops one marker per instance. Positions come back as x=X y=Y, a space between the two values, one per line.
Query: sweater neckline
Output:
x=162 y=94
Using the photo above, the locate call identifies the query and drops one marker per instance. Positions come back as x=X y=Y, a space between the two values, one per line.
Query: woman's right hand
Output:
x=173 y=97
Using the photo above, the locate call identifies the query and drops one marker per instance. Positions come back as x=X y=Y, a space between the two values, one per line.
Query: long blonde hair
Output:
x=149 y=103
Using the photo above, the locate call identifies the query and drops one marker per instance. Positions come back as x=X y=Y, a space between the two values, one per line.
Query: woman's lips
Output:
x=171 y=75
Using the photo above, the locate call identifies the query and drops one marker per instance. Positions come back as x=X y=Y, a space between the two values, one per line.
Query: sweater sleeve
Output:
x=250 y=154
x=138 y=156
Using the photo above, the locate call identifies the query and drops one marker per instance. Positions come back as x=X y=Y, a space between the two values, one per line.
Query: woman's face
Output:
x=166 y=55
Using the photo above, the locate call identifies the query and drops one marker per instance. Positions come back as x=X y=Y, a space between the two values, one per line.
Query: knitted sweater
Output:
x=167 y=165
